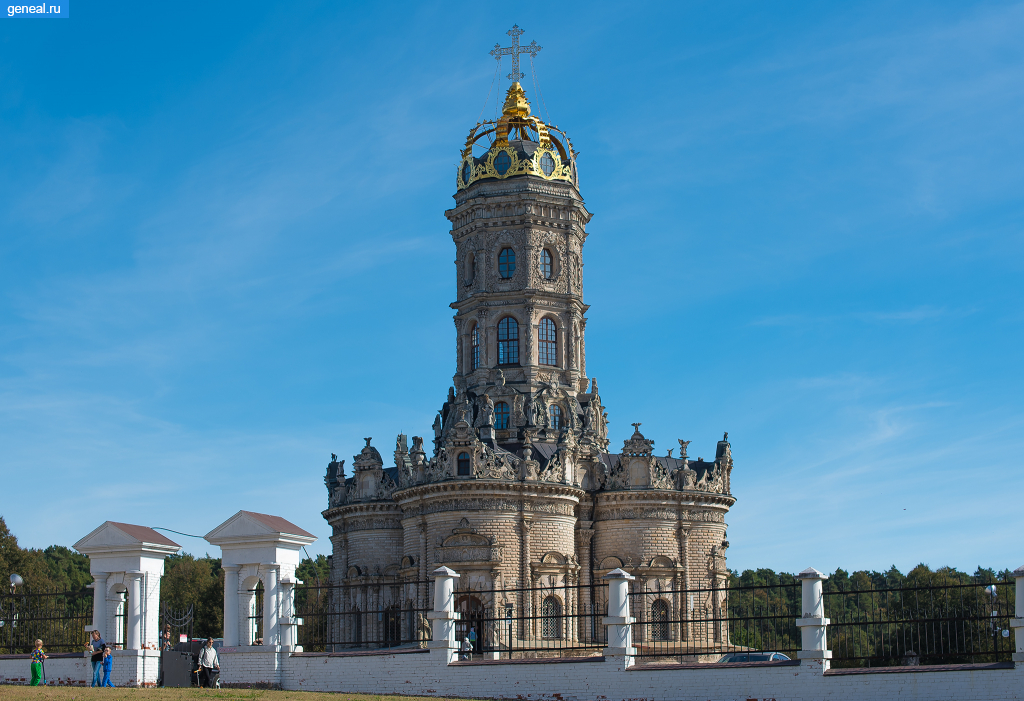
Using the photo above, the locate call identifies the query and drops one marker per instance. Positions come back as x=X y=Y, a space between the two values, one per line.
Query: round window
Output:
x=506 y=263
x=466 y=172
x=502 y=163
x=547 y=164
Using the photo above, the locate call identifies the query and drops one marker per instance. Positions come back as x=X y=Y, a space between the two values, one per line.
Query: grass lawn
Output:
x=67 y=693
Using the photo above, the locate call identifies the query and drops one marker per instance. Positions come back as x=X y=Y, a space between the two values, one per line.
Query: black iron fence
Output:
x=57 y=617
x=378 y=614
x=181 y=621
x=946 y=623
x=706 y=625
x=543 y=621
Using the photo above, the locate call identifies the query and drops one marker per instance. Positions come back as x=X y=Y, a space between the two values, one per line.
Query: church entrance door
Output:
x=471 y=623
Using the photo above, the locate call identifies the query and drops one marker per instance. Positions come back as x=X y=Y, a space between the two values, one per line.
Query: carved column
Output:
x=584 y=537
x=570 y=342
x=460 y=341
x=531 y=360
x=487 y=340
x=583 y=346
x=524 y=573
x=684 y=559
x=422 y=586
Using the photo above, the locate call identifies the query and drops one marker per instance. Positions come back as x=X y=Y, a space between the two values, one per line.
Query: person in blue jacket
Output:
x=108 y=665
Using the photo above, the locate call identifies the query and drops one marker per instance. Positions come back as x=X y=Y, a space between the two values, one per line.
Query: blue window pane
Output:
x=501 y=163
x=466 y=170
x=547 y=164
x=506 y=263
x=508 y=341
x=501 y=414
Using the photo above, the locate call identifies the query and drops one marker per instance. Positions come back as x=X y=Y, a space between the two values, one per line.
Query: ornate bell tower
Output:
x=519 y=225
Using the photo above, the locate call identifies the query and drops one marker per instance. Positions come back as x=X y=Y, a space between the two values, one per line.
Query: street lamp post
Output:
x=16 y=581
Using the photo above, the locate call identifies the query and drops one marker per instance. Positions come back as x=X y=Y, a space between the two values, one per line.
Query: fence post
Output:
x=288 y=621
x=444 y=615
x=813 y=648
x=618 y=620
x=1018 y=615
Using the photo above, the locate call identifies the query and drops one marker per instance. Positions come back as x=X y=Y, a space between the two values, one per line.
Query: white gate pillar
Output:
x=268 y=547
x=230 y=605
x=618 y=620
x=1018 y=615
x=812 y=623
x=444 y=615
x=134 y=554
x=99 y=602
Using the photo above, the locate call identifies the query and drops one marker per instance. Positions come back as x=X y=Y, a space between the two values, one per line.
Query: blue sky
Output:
x=223 y=255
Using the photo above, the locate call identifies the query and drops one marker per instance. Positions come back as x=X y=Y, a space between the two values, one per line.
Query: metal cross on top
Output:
x=514 y=52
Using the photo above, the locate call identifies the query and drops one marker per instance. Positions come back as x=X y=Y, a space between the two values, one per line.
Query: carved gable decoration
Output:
x=465 y=545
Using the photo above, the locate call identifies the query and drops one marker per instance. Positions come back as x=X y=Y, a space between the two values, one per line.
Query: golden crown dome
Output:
x=516 y=144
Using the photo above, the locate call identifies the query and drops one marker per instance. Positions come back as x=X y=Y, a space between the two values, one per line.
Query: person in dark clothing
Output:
x=95 y=646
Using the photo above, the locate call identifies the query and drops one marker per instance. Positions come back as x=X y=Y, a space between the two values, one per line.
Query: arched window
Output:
x=501 y=415
x=508 y=341
x=476 y=347
x=545 y=263
x=551 y=614
x=556 y=417
x=548 y=345
x=507 y=263
x=464 y=464
x=659 y=620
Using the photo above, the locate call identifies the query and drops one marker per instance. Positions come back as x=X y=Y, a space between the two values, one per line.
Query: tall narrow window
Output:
x=551 y=612
x=545 y=263
x=556 y=417
x=476 y=347
x=659 y=620
x=470 y=268
x=548 y=345
x=507 y=263
x=501 y=415
x=508 y=341
x=464 y=464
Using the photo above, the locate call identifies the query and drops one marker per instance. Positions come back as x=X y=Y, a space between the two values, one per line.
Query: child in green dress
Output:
x=37 y=664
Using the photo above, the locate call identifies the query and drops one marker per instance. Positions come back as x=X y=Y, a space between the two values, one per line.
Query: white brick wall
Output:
x=424 y=673
x=130 y=666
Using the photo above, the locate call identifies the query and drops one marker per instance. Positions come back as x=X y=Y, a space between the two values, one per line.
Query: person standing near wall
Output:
x=96 y=646
x=37 y=664
x=108 y=665
x=209 y=664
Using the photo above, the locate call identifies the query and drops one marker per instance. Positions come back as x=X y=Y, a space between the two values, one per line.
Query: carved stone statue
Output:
x=437 y=425
x=486 y=415
x=518 y=417
x=682 y=447
x=588 y=417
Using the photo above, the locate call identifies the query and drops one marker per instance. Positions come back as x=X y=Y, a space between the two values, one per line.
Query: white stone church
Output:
x=518 y=487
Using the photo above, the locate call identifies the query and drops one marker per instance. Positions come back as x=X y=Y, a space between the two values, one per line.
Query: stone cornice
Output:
x=484 y=488
x=368 y=508
x=667 y=496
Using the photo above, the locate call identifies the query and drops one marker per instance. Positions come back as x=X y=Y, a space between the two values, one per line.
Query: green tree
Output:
x=196 y=582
